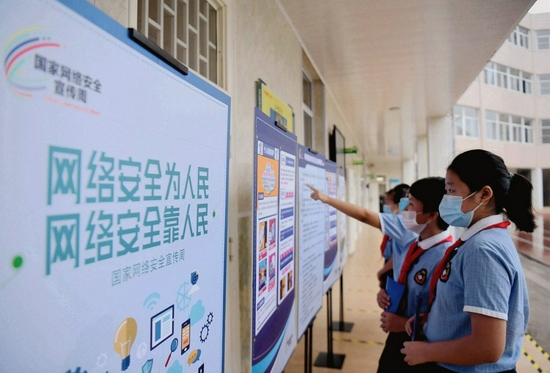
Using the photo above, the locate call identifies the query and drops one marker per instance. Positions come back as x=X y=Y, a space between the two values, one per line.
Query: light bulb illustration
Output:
x=124 y=339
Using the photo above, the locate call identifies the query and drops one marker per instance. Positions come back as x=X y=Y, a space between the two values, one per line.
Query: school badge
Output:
x=446 y=272
x=420 y=276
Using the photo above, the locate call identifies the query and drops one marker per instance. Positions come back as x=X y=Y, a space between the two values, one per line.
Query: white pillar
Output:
x=422 y=157
x=537 y=181
x=409 y=171
x=373 y=195
x=440 y=145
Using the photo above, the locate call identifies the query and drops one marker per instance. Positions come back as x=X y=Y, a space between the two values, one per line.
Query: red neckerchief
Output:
x=414 y=252
x=447 y=257
x=384 y=242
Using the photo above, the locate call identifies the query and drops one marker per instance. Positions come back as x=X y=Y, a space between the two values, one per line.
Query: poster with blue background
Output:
x=331 y=268
x=273 y=280
x=114 y=200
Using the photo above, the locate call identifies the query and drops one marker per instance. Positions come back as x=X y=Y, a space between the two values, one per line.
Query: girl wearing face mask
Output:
x=420 y=239
x=478 y=307
x=395 y=202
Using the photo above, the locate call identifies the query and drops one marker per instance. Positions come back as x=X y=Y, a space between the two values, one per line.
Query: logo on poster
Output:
x=35 y=64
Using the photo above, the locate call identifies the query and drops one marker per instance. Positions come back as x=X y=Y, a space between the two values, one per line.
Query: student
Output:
x=479 y=305
x=415 y=258
x=395 y=202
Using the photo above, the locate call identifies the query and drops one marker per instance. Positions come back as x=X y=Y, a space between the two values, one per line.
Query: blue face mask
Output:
x=386 y=209
x=403 y=202
x=450 y=210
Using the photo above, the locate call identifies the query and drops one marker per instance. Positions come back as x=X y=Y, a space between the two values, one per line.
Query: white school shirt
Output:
x=485 y=277
x=401 y=239
x=418 y=278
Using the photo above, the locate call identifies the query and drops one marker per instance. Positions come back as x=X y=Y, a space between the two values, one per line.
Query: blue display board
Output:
x=274 y=277
x=311 y=236
x=114 y=200
x=331 y=268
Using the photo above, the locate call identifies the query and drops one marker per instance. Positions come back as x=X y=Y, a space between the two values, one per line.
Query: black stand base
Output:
x=335 y=361
x=342 y=326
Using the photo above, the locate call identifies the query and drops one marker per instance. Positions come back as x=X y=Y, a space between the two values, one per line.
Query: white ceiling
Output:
x=392 y=64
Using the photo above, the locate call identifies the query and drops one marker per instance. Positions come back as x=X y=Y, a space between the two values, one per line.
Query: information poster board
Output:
x=114 y=200
x=331 y=268
x=342 y=243
x=274 y=278
x=311 y=233
x=274 y=107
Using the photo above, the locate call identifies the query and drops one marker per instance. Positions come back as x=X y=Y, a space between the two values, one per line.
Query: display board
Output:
x=311 y=236
x=114 y=200
x=274 y=317
x=331 y=268
x=342 y=242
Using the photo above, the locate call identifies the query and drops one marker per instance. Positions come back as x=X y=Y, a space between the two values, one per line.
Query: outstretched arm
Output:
x=357 y=212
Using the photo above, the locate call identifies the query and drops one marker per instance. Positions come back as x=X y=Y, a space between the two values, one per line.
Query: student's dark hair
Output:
x=511 y=192
x=399 y=192
x=430 y=192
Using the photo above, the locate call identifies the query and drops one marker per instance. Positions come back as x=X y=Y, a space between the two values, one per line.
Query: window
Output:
x=543 y=39
x=307 y=106
x=465 y=120
x=187 y=30
x=544 y=84
x=506 y=127
x=491 y=123
x=545 y=129
x=508 y=77
x=520 y=36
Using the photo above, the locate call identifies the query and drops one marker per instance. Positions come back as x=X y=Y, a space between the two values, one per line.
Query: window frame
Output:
x=520 y=37
x=189 y=38
x=544 y=126
x=307 y=109
x=508 y=128
x=465 y=125
x=508 y=78
x=544 y=84
x=543 y=37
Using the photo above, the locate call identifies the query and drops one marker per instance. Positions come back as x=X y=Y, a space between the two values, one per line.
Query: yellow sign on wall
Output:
x=276 y=109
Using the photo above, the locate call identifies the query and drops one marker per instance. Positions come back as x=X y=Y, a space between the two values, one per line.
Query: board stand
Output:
x=329 y=359
x=341 y=325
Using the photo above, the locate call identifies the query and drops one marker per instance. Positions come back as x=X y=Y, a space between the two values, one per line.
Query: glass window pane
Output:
x=306 y=86
x=308 y=131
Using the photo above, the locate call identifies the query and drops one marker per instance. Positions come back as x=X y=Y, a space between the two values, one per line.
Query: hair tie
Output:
x=511 y=175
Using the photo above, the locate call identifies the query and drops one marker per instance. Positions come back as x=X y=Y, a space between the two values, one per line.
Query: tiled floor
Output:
x=363 y=345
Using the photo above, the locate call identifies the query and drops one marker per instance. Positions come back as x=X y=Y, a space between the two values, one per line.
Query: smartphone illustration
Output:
x=185 y=336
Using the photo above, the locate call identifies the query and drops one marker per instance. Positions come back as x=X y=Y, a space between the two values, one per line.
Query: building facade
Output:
x=506 y=109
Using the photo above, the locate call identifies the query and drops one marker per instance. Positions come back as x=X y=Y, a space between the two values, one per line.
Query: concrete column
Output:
x=440 y=145
x=422 y=157
x=373 y=191
x=409 y=171
x=537 y=181
x=538 y=204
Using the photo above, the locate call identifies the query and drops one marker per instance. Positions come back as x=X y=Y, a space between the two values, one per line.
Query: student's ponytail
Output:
x=511 y=192
x=518 y=204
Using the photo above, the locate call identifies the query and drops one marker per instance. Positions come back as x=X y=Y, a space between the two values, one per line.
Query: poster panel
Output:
x=342 y=228
x=331 y=268
x=311 y=236
x=113 y=203
x=275 y=108
x=274 y=317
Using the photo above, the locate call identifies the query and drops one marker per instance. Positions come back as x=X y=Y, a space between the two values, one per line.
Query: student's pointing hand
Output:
x=315 y=194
